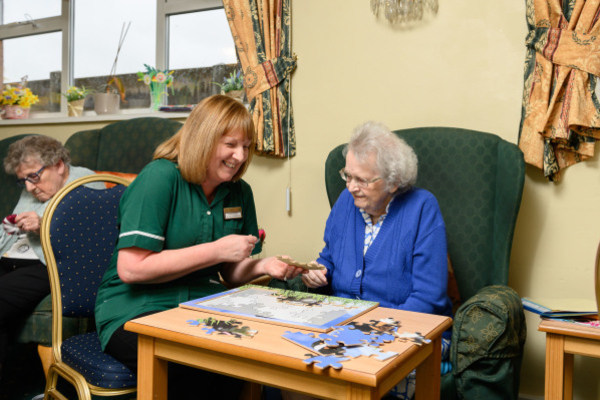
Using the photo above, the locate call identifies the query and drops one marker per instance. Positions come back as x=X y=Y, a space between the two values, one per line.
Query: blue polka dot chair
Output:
x=79 y=232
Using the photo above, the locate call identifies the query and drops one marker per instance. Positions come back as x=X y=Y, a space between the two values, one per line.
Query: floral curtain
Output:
x=560 y=119
x=261 y=31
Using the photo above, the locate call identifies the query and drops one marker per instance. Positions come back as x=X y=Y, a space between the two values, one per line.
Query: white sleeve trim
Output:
x=150 y=235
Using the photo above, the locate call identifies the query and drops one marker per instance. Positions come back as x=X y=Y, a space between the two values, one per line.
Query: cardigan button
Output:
x=358 y=273
x=208 y=212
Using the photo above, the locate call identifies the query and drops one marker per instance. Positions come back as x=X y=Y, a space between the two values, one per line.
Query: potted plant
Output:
x=158 y=82
x=106 y=101
x=233 y=85
x=16 y=101
x=75 y=98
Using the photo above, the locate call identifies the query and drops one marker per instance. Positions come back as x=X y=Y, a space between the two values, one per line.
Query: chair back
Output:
x=79 y=231
x=124 y=146
x=9 y=195
x=478 y=180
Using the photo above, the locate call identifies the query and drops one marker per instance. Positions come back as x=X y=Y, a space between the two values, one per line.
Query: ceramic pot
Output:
x=106 y=103
x=15 y=112
x=75 y=108
x=236 y=94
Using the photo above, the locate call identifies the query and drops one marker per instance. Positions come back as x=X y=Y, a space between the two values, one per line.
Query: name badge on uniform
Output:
x=232 y=213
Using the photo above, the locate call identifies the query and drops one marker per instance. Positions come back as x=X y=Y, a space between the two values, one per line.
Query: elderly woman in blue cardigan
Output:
x=385 y=240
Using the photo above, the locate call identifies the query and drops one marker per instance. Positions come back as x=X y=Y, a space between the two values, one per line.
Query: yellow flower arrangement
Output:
x=76 y=93
x=18 y=96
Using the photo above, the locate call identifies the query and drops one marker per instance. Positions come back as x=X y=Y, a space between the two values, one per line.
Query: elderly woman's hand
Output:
x=315 y=278
x=29 y=222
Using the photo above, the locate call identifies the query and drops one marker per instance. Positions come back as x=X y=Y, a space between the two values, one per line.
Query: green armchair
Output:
x=477 y=179
x=9 y=194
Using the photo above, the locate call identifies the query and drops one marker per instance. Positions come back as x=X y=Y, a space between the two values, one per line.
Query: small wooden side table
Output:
x=563 y=340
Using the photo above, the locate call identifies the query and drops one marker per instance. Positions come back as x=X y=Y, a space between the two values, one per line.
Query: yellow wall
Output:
x=465 y=69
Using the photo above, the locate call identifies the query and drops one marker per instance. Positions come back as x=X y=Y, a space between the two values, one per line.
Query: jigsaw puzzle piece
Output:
x=368 y=351
x=414 y=337
x=364 y=327
x=306 y=340
x=382 y=338
x=345 y=336
x=323 y=362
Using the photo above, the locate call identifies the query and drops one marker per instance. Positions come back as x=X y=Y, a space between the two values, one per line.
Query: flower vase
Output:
x=15 y=112
x=75 y=108
x=158 y=95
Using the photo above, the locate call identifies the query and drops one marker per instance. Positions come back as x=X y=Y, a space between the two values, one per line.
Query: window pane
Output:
x=200 y=39
x=201 y=52
x=39 y=58
x=19 y=10
x=98 y=26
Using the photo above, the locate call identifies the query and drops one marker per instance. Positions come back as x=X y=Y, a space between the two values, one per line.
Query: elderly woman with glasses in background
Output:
x=41 y=165
x=385 y=240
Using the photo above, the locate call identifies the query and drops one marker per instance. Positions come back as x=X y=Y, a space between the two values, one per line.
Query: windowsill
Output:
x=89 y=116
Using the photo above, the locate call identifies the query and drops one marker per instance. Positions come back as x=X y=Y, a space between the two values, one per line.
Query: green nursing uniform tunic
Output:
x=160 y=211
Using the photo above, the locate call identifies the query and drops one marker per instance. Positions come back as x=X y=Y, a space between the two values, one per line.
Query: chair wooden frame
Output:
x=58 y=367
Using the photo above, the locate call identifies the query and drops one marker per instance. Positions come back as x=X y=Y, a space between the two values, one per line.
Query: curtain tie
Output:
x=567 y=48
x=262 y=77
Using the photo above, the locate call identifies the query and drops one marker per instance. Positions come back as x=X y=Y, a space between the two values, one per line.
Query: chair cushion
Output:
x=125 y=175
x=84 y=354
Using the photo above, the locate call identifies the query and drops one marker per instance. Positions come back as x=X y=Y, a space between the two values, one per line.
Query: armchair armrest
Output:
x=487 y=344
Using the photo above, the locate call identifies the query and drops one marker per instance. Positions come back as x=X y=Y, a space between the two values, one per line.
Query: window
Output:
x=190 y=37
x=23 y=11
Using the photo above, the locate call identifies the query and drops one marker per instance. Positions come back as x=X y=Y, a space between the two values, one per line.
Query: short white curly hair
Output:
x=395 y=160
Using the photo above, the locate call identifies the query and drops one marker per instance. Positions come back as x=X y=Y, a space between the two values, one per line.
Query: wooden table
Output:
x=269 y=359
x=563 y=340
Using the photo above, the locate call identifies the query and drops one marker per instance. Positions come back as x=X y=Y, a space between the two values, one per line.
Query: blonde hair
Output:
x=194 y=144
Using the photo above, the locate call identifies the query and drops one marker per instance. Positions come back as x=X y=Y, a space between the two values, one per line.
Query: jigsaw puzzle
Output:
x=347 y=341
x=231 y=327
x=283 y=307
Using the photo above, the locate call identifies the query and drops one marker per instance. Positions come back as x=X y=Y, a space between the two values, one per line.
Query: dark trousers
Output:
x=23 y=284
x=184 y=382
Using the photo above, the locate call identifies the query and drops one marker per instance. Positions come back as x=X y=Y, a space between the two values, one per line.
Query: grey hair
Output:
x=395 y=160
x=48 y=151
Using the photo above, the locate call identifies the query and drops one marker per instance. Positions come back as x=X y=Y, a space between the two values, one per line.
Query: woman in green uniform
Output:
x=186 y=218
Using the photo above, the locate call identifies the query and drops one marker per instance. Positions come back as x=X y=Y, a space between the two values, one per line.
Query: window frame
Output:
x=65 y=23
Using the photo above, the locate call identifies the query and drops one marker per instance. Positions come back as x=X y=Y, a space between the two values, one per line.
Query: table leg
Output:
x=358 y=392
x=152 y=372
x=251 y=391
x=428 y=379
x=559 y=369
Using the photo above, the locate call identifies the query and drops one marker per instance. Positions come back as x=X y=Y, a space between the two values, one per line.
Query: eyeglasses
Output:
x=361 y=183
x=34 y=177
